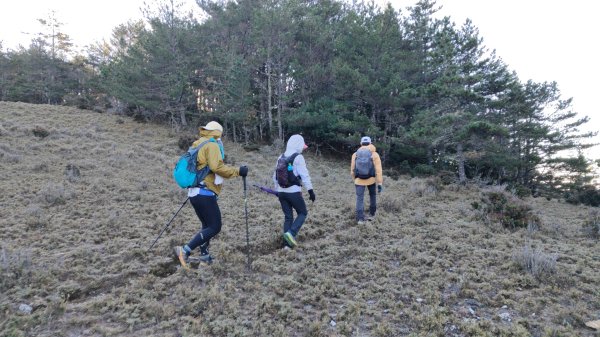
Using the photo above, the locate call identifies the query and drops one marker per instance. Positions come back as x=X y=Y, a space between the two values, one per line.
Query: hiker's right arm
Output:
x=378 y=169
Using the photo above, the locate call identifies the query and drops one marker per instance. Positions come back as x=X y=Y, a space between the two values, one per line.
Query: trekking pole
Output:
x=168 y=223
x=247 y=230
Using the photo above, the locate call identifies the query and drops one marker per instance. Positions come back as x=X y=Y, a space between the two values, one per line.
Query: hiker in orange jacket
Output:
x=366 y=171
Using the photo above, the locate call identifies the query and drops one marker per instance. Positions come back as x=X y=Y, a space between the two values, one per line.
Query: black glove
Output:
x=311 y=195
x=379 y=189
x=243 y=171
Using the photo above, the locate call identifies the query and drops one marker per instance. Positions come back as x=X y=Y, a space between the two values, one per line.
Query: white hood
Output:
x=294 y=144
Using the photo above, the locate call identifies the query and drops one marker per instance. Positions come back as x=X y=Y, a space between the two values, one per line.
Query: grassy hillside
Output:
x=85 y=194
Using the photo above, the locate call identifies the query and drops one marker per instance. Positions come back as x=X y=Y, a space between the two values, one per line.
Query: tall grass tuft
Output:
x=591 y=227
x=15 y=268
x=535 y=261
x=8 y=155
x=56 y=194
x=35 y=216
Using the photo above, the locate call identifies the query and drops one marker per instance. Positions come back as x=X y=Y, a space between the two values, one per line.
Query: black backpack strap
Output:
x=295 y=180
x=194 y=152
x=290 y=159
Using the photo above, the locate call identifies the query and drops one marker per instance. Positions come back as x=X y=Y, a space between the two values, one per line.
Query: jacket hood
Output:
x=216 y=134
x=370 y=147
x=294 y=144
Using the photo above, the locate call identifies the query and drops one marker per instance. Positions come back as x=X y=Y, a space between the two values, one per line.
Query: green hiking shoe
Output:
x=289 y=238
x=184 y=259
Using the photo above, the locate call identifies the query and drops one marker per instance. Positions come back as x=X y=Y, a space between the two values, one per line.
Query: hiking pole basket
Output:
x=247 y=230
x=168 y=223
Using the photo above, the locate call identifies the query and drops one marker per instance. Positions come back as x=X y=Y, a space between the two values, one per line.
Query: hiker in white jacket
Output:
x=290 y=175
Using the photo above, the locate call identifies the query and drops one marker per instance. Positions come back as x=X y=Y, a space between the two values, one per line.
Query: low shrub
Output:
x=72 y=173
x=40 y=132
x=447 y=177
x=81 y=101
x=251 y=147
x=392 y=173
x=521 y=191
x=587 y=195
x=390 y=205
x=424 y=170
x=35 y=216
x=185 y=141
x=509 y=210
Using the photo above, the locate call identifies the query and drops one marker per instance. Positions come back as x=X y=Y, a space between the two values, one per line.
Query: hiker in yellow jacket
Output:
x=204 y=197
x=366 y=172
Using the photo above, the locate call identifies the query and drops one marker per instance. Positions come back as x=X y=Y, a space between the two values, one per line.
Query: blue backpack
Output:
x=186 y=173
x=363 y=164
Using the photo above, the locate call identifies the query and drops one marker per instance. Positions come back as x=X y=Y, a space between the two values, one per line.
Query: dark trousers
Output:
x=360 y=196
x=290 y=202
x=208 y=212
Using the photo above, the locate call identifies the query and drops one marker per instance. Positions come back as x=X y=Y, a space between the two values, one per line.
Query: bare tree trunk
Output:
x=246 y=135
x=386 y=140
x=429 y=155
x=269 y=98
x=261 y=122
x=280 y=107
x=182 y=116
x=460 y=158
x=234 y=133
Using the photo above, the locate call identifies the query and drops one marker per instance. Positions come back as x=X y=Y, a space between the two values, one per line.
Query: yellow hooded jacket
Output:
x=210 y=154
x=378 y=170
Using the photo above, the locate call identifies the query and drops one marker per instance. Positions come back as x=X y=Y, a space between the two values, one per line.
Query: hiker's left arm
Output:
x=302 y=170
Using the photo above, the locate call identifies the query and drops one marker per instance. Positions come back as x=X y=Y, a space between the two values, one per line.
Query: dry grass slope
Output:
x=84 y=195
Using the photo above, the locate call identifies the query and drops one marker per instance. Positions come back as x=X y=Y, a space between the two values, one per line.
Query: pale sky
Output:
x=542 y=40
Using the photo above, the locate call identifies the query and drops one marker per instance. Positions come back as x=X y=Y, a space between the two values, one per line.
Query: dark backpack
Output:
x=363 y=164
x=285 y=171
x=186 y=173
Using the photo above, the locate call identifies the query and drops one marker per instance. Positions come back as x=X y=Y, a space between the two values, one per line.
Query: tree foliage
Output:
x=429 y=92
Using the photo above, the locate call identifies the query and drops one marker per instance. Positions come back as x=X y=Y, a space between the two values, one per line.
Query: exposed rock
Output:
x=25 y=308
x=505 y=316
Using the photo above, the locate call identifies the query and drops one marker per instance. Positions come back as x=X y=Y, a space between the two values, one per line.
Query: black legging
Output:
x=208 y=212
